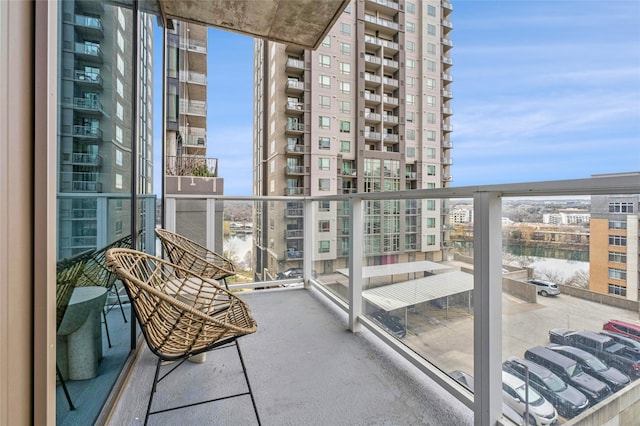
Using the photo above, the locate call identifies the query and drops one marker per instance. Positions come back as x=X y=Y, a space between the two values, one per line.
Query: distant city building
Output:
x=95 y=140
x=458 y=216
x=368 y=111
x=614 y=251
x=566 y=217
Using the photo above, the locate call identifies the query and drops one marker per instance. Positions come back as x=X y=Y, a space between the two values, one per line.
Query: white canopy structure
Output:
x=398 y=268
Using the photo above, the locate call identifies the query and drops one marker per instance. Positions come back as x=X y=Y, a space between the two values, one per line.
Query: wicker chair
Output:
x=194 y=257
x=95 y=272
x=181 y=313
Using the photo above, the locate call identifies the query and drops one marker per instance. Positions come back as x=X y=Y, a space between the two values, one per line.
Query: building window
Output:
x=411 y=64
x=411 y=81
x=411 y=27
x=431 y=48
x=431 y=240
x=345 y=107
x=324 y=226
x=431 y=29
x=323 y=184
x=619 y=274
x=411 y=46
x=411 y=100
x=431 y=153
x=411 y=152
x=345 y=146
x=345 y=87
x=431 y=100
x=431 y=66
x=347 y=9
x=620 y=207
x=431 y=118
x=324 y=101
x=345 y=29
x=345 y=48
x=411 y=134
x=119 y=158
x=618 y=257
x=617 y=224
x=323 y=163
x=617 y=240
x=324 y=143
x=345 y=127
x=411 y=116
x=324 y=246
x=431 y=222
x=345 y=68
x=431 y=83
x=431 y=135
x=431 y=185
x=324 y=61
x=431 y=170
x=324 y=81
x=324 y=122
x=324 y=206
x=431 y=10
x=617 y=290
x=327 y=41
x=411 y=8
x=431 y=205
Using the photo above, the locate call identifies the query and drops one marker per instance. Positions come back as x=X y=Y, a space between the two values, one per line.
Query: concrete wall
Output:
x=623 y=408
x=519 y=289
x=604 y=299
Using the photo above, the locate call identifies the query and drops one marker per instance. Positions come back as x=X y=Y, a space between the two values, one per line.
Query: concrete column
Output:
x=355 y=263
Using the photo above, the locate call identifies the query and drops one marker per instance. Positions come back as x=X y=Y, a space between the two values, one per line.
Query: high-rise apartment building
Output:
x=613 y=248
x=187 y=170
x=96 y=137
x=368 y=111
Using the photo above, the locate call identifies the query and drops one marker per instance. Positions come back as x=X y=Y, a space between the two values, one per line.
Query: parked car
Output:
x=608 y=350
x=623 y=340
x=291 y=273
x=569 y=371
x=568 y=401
x=541 y=412
x=545 y=288
x=622 y=327
x=389 y=322
x=593 y=366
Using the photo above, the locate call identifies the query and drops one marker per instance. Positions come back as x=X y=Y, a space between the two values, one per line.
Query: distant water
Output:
x=239 y=245
x=558 y=267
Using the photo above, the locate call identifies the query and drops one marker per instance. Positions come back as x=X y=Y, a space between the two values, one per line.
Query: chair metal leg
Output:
x=64 y=388
x=153 y=390
x=120 y=302
x=244 y=370
x=106 y=326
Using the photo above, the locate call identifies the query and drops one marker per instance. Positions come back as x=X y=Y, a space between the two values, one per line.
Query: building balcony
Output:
x=447 y=144
x=193 y=77
x=194 y=140
x=353 y=172
x=294 y=190
x=372 y=79
x=411 y=175
x=372 y=98
x=447 y=94
x=293 y=86
x=447 y=24
x=295 y=108
x=294 y=65
x=372 y=135
x=447 y=161
x=447 y=178
x=195 y=46
x=447 y=61
x=82 y=159
x=392 y=82
x=447 y=111
x=294 y=233
x=91 y=80
x=291 y=254
x=294 y=170
x=390 y=100
x=447 y=127
x=294 y=127
x=447 y=43
x=88 y=26
x=385 y=3
x=390 y=64
x=87 y=132
x=391 y=137
x=381 y=22
x=295 y=149
x=87 y=105
x=198 y=108
x=387 y=44
x=372 y=59
x=191 y=166
x=387 y=118
x=447 y=5
x=88 y=51
x=372 y=116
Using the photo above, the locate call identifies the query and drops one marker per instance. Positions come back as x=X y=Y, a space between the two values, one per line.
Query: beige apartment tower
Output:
x=367 y=111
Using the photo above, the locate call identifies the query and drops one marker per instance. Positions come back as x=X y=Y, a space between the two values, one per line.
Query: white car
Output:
x=541 y=412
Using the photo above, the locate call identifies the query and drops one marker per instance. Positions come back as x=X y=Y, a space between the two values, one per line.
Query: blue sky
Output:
x=543 y=90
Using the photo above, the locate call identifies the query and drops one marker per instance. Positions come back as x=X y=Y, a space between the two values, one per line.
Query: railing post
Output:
x=210 y=225
x=170 y=214
x=307 y=242
x=487 y=305
x=355 y=263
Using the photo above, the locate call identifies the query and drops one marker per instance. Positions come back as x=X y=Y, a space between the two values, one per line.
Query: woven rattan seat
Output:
x=190 y=255
x=181 y=313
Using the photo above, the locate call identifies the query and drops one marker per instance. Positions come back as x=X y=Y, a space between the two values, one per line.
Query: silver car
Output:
x=541 y=412
x=545 y=288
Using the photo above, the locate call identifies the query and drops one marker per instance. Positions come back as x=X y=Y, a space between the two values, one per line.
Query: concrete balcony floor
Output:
x=305 y=368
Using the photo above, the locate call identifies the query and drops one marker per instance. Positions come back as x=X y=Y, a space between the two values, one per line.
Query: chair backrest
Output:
x=68 y=271
x=180 y=313
x=95 y=271
x=192 y=256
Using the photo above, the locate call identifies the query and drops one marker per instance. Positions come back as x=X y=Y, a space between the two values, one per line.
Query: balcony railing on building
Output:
x=294 y=64
x=294 y=170
x=388 y=118
x=88 y=77
x=293 y=254
x=390 y=63
x=87 y=104
x=294 y=190
x=372 y=116
x=88 y=22
x=295 y=107
x=191 y=166
x=295 y=149
x=88 y=49
x=193 y=77
x=89 y=132
x=295 y=233
x=388 y=3
x=83 y=159
x=193 y=107
x=372 y=97
x=294 y=86
x=447 y=94
x=447 y=5
x=391 y=137
x=294 y=127
x=193 y=45
x=381 y=22
x=390 y=100
x=390 y=82
x=381 y=42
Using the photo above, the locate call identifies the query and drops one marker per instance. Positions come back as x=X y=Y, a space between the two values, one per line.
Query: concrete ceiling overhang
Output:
x=304 y=23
